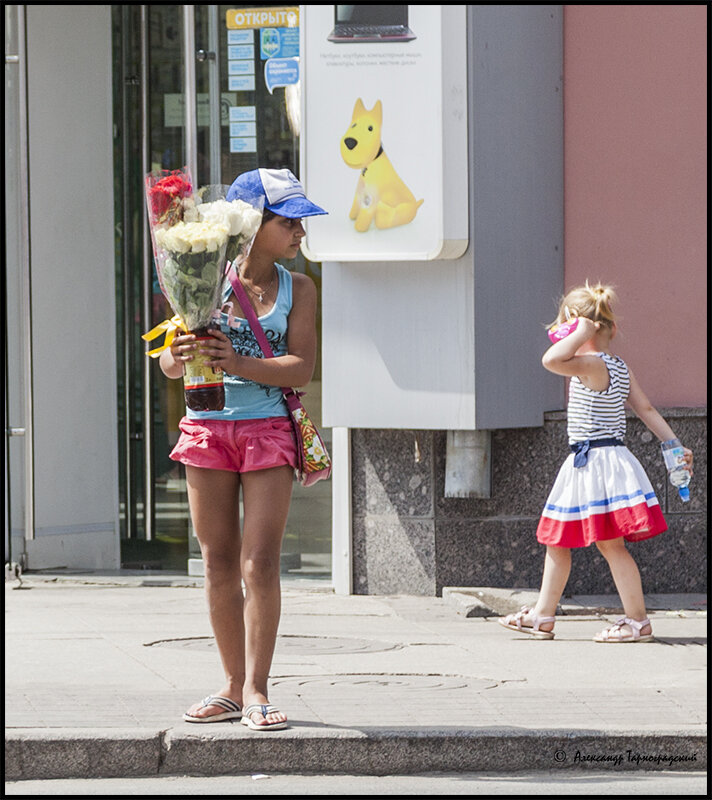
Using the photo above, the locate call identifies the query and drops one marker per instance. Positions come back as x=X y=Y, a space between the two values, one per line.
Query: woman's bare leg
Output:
x=266 y=498
x=557 y=566
x=214 y=506
x=626 y=577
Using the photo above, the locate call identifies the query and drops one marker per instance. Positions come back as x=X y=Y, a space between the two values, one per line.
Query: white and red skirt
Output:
x=609 y=497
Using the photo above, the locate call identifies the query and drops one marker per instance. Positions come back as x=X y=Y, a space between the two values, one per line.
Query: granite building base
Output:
x=408 y=538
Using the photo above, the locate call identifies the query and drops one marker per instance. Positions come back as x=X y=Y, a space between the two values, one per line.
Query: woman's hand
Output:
x=586 y=329
x=183 y=348
x=173 y=358
x=688 y=460
x=220 y=352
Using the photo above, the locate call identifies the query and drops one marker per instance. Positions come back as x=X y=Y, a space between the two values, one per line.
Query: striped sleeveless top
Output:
x=599 y=415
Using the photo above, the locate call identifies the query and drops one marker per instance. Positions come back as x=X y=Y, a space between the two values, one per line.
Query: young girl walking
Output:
x=249 y=448
x=601 y=494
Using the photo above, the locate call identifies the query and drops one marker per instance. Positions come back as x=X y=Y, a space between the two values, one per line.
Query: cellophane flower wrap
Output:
x=192 y=234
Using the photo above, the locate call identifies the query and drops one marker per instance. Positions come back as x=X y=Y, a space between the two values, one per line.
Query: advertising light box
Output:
x=384 y=131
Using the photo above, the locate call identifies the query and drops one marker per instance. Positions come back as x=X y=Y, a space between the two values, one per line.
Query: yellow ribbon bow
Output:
x=169 y=327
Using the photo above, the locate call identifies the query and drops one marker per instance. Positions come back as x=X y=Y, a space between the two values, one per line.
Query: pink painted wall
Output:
x=635 y=126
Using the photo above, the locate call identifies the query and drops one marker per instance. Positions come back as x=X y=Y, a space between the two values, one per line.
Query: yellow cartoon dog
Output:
x=381 y=196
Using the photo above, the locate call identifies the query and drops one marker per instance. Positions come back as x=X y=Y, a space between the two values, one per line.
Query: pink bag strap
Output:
x=290 y=395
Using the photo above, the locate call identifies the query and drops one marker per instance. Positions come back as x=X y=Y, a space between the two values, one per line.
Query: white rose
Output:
x=190 y=212
x=208 y=236
x=196 y=237
x=240 y=217
x=222 y=234
x=251 y=220
x=216 y=211
x=173 y=239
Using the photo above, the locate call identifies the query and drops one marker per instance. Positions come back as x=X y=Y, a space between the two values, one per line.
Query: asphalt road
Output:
x=649 y=783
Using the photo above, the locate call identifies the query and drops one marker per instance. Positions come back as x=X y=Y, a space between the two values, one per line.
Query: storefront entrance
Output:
x=191 y=88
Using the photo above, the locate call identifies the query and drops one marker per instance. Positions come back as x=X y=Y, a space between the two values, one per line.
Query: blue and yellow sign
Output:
x=240 y=18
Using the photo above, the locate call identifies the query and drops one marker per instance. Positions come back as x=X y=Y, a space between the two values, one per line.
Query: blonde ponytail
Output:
x=593 y=302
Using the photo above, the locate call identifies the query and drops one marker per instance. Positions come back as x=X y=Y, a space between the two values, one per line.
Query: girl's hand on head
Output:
x=587 y=328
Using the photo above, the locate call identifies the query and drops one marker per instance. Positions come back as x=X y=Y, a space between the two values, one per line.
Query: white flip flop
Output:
x=232 y=710
x=263 y=709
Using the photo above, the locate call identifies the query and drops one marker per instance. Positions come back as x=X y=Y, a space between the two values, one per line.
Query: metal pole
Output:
x=26 y=267
x=127 y=287
x=215 y=121
x=10 y=58
x=149 y=505
x=189 y=92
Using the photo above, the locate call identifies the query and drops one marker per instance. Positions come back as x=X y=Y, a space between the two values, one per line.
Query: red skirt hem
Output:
x=634 y=524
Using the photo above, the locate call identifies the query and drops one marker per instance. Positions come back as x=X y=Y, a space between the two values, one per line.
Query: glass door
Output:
x=238 y=119
x=147 y=42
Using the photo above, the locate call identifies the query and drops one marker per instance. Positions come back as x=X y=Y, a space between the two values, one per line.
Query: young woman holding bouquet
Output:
x=249 y=447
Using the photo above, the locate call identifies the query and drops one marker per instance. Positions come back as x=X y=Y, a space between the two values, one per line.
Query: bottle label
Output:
x=200 y=375
x=674 y=457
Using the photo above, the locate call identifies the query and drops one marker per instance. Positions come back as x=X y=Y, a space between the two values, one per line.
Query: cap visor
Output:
x=296 y=208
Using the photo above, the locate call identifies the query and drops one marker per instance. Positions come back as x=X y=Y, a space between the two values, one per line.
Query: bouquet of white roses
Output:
x=242 y=218
x=194 y=236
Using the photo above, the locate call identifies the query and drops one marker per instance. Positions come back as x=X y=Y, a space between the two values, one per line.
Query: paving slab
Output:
x=99 y=670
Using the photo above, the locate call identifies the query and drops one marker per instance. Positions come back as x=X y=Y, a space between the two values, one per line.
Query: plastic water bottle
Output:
x=674 y=456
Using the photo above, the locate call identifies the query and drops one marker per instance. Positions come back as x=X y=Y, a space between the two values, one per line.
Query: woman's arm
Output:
x=651 y=417
x=294 y=369
x=170 y=360
x=561 y=358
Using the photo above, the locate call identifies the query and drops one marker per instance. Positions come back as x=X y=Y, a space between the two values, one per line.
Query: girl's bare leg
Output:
x=214 y=506
x=626 y=577
x=266 y=498
x=557 y=566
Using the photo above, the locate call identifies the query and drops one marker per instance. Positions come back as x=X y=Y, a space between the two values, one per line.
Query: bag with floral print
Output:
x=313 y=462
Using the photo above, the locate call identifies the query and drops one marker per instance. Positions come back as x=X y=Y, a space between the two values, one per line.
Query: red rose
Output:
x=165 y=193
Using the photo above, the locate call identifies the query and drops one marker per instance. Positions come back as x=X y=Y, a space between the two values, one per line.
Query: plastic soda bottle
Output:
x=674 y=456
x=203 y=383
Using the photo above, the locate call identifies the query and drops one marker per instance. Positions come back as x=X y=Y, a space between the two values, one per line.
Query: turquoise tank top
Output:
x=246 y=399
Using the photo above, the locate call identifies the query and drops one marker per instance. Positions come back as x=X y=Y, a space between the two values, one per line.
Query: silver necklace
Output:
x=259 y=295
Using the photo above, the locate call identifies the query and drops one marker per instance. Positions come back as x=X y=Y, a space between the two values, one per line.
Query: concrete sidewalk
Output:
x=99 y=670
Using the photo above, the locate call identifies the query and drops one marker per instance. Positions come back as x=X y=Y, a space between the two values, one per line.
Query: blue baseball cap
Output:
x=282 y=192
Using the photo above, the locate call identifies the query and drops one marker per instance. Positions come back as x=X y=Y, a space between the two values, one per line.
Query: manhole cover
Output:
x=326 y=645
x=292 y=645
x=384 y=683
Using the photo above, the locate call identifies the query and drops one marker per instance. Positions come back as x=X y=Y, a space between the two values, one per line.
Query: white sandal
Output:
x=514 y=623
x=231 y=710
x=264 y=709
x=616 y=635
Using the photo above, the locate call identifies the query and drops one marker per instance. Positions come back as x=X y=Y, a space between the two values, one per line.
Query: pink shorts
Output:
x=236 y=445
